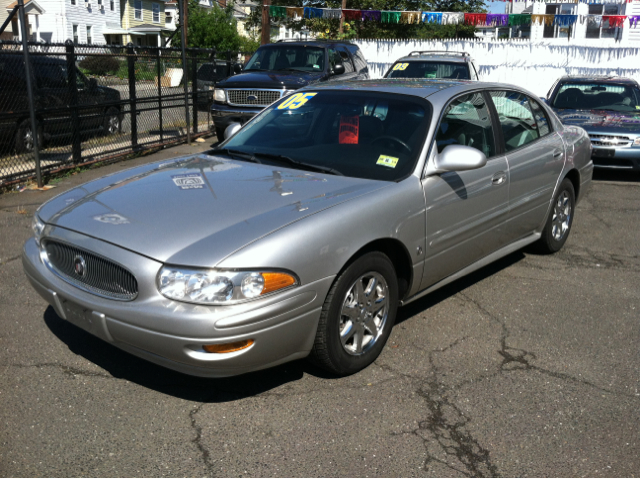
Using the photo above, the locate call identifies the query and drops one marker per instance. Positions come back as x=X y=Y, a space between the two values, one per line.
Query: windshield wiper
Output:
x=309 y=166
x=237 y=154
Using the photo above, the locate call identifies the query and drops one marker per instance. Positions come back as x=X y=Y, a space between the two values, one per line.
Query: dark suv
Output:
x=99 y=107
x=277 y=69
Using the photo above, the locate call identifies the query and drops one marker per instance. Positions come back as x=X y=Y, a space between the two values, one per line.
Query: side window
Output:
x=541 y=117
x=346 y=61
x=516 y=119
x=466 y=121
x=334 y=58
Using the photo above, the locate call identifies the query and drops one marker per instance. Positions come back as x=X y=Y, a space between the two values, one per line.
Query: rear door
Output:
x=466 y=210
x=535 y=154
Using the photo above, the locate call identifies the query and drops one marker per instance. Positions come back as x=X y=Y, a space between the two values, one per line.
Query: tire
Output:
x=220 y=134
x=24 y=137
x=354 y=324
x=112 y=124
x=558 y=226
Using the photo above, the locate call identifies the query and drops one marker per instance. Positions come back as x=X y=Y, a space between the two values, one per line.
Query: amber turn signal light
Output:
x=276 y=281
x=228 y=347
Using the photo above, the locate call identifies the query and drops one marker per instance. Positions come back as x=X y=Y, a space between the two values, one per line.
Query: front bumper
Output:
x=171 y=333
x=616 y=158
x=224 y=115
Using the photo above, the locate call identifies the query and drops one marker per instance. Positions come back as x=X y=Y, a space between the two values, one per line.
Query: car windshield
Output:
x=288 y=57
x=597 y=96
x=360 y=134
x=422 y=69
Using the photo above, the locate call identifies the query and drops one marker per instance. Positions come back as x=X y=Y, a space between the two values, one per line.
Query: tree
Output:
x=376 y=29
x=212 y=28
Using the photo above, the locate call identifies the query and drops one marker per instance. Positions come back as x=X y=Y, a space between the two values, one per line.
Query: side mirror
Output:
x=231 y=130
x=237 y=68
x=93 y=83
x=457 y=158
x=338 y=69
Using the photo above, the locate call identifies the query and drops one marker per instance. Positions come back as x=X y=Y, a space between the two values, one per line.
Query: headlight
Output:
x=636 y=142
x=38 y=227
x=220 y=287
x=218 y=95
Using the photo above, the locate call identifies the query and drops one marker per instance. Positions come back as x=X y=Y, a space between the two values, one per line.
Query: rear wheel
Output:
x=112 y=123
x=357 y=316
x=24 y=137
x=558 y=225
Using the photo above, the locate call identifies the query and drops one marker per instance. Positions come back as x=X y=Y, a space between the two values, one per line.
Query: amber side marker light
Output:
x=276 y=281
x=228 y=347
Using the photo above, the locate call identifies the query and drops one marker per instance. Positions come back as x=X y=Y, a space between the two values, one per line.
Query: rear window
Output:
x=451 y=70
x=597 y=96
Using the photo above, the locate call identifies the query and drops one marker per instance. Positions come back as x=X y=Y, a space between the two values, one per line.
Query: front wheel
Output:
x=558 y=225
x=220 y=134
x=357 y=316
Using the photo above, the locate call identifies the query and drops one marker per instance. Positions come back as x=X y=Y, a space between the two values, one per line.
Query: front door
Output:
x=466 y=210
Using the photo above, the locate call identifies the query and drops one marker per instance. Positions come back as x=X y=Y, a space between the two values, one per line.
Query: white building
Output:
x=589 y=28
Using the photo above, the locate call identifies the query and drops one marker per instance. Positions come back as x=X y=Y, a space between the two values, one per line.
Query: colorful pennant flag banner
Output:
x=452 y=18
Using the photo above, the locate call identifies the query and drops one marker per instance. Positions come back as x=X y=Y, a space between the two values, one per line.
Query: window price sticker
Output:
x=388 y=161
x=295 y=101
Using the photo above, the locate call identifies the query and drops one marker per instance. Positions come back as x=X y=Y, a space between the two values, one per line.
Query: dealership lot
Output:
x=528 y=367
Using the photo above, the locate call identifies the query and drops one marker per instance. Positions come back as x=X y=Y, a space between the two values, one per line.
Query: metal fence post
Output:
x=185 y=82
x=131 y=63
x=32 y=110
x=194 y=91
x=159 y=70
x=76 y=149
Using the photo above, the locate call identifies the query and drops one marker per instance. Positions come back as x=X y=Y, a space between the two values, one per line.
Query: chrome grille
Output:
x=258 y=97
x=611 y=141
x=100 y=276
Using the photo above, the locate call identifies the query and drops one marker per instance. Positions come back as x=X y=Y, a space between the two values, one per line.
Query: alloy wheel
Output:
x=364 y=313
x=561 y=216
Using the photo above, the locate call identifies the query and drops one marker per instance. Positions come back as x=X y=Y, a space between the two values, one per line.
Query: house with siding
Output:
x=33 y=11
x=144 y=22
x=83 y=21
x=590 y=27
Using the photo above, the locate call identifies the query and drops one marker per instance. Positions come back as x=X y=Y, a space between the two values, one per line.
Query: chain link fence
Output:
x=101 y=102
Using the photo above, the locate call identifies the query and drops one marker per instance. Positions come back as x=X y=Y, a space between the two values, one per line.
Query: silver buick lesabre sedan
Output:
x=303 y=232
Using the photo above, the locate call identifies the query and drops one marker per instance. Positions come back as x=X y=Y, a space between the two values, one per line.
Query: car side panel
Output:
x=320 y=245
x=466 y=212
x=534 y=171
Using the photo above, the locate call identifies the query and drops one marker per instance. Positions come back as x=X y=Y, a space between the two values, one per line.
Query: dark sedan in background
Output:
x=608 y=108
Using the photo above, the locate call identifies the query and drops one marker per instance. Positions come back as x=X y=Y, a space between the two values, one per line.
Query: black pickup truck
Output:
x=277 y=69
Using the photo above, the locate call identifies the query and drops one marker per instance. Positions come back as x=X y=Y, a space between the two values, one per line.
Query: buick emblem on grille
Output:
x=79 y=266
x=252 y=98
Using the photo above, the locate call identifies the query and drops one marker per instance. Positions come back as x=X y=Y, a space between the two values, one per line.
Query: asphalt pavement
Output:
x=529 y=367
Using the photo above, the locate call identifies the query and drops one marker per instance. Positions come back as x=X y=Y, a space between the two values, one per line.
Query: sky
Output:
x=495 y=7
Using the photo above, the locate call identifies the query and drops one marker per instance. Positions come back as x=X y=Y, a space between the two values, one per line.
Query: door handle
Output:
x=557 y=153
x=500 y=178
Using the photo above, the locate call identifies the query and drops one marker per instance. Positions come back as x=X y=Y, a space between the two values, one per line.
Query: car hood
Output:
x=196 y=211
x=269 y=79
x=602 y=121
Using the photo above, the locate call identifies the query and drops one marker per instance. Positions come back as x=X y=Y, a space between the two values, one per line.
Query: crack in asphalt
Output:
x=520 y=359
x=68 y=370
x=9 y=260
x=446 y=426
x=206 y=457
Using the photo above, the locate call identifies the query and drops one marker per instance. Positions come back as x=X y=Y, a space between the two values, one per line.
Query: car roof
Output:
x=592 y=78
x=418 y=87
x=434 y=55
x=315 y=43
x=19 y=56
